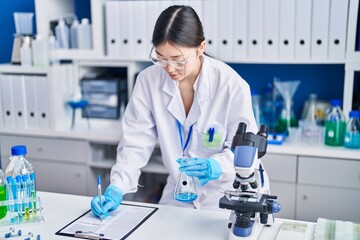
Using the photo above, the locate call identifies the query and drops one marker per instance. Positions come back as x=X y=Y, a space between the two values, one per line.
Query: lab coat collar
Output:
x=175 y=106
x=205 y=88
x=203 y=93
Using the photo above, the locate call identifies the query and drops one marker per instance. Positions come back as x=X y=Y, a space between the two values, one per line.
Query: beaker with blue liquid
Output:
x=185 y=190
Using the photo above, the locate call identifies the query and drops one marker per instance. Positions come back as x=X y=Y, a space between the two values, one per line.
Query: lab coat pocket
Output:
x=212 y=138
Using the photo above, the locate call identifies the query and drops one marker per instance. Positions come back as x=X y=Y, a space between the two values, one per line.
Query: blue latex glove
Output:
x=111 y=200
x=205 y=169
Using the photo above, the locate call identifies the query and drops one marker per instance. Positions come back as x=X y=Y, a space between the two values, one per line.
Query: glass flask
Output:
x=282 y=124
x=185 y=190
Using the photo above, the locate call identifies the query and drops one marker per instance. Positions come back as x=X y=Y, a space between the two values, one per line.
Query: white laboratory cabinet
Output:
x=315 y=181
x=328 y=188
x=282 y=172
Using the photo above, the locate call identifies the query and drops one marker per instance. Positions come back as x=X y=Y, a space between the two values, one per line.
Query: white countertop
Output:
x=166 y=223
x=112 y=137
x=315 y=151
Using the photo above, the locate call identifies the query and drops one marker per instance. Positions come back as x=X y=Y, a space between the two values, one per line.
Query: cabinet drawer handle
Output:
x=40 y=149
x=78 y=175
x=305 y=197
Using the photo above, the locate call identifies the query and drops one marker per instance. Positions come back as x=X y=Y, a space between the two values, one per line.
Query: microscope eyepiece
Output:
x=263 y=131
x=241 y=128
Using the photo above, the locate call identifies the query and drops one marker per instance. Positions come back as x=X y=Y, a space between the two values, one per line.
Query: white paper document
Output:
x=119 y=225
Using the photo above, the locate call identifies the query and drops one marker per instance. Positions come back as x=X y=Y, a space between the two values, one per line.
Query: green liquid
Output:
x=3 y=209
x=282 y=125
x=334 y=133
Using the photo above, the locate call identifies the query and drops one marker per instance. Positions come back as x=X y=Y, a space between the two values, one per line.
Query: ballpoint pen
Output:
x=99 y=193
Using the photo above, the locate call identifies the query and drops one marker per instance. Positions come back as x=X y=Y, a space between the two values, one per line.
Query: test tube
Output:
x=32 y=192
x=26 y=195
x=19 y=196
x=10 y=196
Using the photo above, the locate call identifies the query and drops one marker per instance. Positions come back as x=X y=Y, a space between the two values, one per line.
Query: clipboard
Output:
x=128 y=216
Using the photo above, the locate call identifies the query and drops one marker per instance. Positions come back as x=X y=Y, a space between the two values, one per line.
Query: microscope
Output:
x=251 y=204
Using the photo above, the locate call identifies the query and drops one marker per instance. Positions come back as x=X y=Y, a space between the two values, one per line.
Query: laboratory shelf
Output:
x=11 y=68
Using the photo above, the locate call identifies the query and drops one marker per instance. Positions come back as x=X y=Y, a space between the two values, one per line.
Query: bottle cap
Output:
x=18 y=178
x=75 y=23
x=335 y=102
x=61 y=23
x=18 y=150
x=354 y=114
x=85 y=21
x=24 y=177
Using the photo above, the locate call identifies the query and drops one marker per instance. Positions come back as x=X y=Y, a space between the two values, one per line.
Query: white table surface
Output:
x=166 y=223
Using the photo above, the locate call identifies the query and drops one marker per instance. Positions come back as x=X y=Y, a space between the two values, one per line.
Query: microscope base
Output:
x=256 y=231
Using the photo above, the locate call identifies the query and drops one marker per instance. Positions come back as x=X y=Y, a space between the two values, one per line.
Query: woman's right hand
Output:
x=111 y=200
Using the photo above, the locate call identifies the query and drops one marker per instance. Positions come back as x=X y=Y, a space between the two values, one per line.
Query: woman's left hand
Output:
x=205 y=169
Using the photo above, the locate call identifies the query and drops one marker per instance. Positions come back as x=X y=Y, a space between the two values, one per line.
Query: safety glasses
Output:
x=163 y=63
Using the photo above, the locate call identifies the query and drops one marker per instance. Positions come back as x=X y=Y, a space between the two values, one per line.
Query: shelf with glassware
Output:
x=57 y=9
x=111 y=44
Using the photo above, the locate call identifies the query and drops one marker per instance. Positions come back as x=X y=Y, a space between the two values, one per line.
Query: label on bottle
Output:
x=334 y=133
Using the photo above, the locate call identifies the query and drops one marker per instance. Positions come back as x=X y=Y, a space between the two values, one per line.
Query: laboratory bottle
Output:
x=18 y=165
x=40 y=51
x=335 y=124
x=74 y=34
x=310 y=111
x=84 y=34
x=3 y=209
x=185 y=190
x=352 y=134
x=53 y=45
x=25 y=52
x=62 y=34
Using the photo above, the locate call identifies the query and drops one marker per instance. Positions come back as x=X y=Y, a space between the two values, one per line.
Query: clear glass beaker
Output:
x=185 y=190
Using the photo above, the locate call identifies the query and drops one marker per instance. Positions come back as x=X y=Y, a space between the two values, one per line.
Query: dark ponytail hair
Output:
x=179 y=25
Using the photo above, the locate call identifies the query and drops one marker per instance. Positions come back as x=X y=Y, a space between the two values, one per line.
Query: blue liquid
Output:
x=352 y=140
x=186 y=197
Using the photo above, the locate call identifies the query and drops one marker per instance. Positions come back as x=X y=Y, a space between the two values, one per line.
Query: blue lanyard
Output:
x=181 y=137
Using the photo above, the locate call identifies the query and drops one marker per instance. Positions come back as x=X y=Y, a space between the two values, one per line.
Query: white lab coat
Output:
x=222 y=100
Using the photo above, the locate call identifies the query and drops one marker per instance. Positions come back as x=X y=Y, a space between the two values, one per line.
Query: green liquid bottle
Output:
x=335 y=125
x=3 y=209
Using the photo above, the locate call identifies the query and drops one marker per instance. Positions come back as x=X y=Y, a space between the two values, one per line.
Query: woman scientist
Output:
x=191 y=104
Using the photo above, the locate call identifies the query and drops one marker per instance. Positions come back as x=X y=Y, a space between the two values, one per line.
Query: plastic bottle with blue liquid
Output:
x=352 y=134
x=20 y=182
